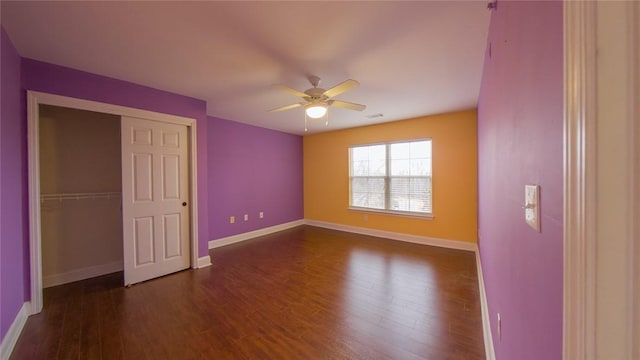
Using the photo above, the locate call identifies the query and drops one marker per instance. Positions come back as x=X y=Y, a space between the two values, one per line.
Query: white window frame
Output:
x=387 y=180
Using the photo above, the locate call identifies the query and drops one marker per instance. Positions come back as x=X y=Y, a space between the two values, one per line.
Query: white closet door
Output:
x=155 y=191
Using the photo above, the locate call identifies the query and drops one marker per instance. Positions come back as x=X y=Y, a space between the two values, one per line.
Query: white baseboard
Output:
x=486 y=319
x=252 y=234
x=11 y=338
x=204 y=262
x=451 y=244
x=81 y=274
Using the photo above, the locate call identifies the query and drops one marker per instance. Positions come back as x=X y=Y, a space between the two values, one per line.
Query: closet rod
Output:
x=78 y=196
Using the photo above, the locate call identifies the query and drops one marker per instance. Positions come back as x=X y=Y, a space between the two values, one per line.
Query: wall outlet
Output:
x=232 y=219
x=246 y=217
x=261 y=215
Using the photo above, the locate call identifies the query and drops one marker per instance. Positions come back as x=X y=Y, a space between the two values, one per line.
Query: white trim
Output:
x=634 y=214
x=424 y=240
x=445 y=243
x=579 y=277
x=204 y=261
x=34 y=100
x=193 y=190
x=253 y=234
x=12 y=335
x=424 y=216
x=81 y=104
x=81 y=274
x=601 y=285
x=490 y=353
x=33 y=154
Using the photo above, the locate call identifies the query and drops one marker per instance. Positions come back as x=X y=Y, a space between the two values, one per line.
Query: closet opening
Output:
x=80 y=194
x=137 y=165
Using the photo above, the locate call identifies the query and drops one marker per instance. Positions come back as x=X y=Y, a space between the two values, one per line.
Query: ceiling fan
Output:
x=317 y=100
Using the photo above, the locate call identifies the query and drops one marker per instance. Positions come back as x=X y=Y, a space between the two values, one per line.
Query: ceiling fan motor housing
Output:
x=316 y=94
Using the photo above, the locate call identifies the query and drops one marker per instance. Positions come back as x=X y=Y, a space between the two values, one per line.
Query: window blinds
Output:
x=392 y=176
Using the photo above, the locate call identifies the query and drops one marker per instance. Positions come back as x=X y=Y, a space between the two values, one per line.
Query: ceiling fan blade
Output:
x=287 y=107
x=347 y=105
x=340 y=88
x=290 y=90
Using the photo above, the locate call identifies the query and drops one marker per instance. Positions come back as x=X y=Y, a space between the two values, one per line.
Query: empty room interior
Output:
x=320 y=180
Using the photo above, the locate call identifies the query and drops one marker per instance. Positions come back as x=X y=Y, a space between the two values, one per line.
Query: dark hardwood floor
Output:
x=304 y=293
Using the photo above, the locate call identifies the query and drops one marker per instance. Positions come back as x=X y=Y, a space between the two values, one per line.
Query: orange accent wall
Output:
x=455 y=181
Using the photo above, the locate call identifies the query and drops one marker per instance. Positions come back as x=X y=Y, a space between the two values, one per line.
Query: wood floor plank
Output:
x=303 y=293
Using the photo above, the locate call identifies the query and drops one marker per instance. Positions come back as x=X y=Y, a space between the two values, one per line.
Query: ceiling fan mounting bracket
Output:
x=314 y=80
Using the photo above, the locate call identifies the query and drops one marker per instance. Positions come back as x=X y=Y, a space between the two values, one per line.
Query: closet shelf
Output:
x=80 y=196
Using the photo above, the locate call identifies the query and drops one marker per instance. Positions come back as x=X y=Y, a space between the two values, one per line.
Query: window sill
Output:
x=392 y=212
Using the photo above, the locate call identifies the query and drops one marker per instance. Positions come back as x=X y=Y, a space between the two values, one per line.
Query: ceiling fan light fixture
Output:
x=316 y=110
x=317 y=100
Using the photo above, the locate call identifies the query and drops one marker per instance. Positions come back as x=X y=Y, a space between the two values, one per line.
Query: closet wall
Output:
x=80 y=162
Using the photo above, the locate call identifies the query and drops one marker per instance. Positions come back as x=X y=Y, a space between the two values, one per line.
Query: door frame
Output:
x=34 y=100
x=590 y=247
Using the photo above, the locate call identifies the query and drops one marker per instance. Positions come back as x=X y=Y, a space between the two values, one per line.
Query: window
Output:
x=391 y=177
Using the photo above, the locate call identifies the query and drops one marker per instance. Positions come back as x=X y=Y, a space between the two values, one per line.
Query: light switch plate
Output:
x=532 y=206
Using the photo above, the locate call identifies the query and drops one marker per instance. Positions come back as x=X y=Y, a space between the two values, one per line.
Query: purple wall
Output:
x=59 y=80
x=14 y=254
x=520 y=142
x=252 y=169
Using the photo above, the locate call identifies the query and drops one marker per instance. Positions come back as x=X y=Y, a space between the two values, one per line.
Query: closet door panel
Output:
x=155 y=178
x=143 y=241
x=172 y=246
x=171 y=177
x=142 y=176
x=141 y=136
x=170 y=139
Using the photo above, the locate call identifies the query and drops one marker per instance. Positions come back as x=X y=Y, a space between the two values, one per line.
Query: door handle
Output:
x=184 y=203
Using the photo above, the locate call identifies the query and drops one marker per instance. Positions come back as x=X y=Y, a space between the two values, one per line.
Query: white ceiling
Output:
x=411 y=58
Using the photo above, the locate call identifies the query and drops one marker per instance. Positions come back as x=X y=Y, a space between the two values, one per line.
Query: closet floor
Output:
x=303 y=293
